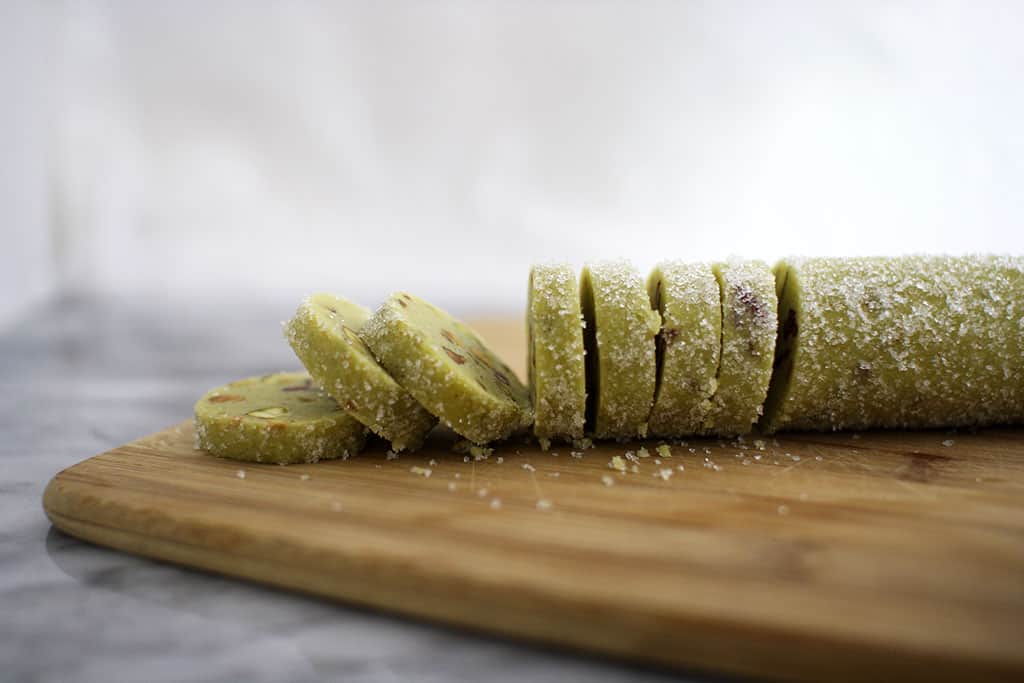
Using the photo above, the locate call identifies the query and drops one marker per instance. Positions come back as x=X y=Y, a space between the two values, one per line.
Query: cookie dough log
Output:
x=556 y=354
x=749 y=326
x=448 y=369
x=619 y=339
x=282 y=418
x=918 y=341
x=687 y=297
x=325 y=336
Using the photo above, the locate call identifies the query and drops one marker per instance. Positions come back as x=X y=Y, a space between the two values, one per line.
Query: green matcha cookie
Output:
x=898 y=342
x=749 y=325
x=447 y=368
x=555 y=353
x=689 y=343
x=280 y=418
x=324 y=335
x=619 y=338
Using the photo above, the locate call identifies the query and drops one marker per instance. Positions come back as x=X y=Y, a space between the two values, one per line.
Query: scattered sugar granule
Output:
x=304 y=477
x=854 y=436
x=796 y=458
x=432 y=463
x=632 y=457
x=240 y=474
x=607 y=480
x=391 y=455
x=948 y=443
x=665 y=473
x=336 y=506
x=424 y=472
x=451 y=486
x=480 y=452
x=543 y=504
x=680 y=468
x=783 y=509
x=465 y=458
x=759 y=444
x=803 y=496
x=482 y=493
x=657 y=461
x=500 y=459
x=643 y=452
x=583 y=444
x=495 y=503
x=617 y=463
x=664 y=451
x=818 y=458
x=634 y=469
x=576 y=454
x=528 y=467
x=458 y=475
x=553 y=474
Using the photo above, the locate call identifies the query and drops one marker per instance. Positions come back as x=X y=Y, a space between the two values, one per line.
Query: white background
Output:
x=271 y=149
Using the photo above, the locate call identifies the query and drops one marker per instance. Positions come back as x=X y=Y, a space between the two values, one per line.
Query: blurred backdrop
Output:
x=234 y=150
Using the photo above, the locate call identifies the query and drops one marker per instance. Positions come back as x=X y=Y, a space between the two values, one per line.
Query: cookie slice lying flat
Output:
x=447 y=368
x=619 y=338
x=749 y=315
x=556 y=363
x=687 y=297
x=282 y=419
x=905 y=342
x=324 y=335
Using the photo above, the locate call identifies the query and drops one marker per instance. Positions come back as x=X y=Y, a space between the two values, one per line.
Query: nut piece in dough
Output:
x=749 y=325
x=910 y=342
x=446 y=366
x=619 y=338
x=282 y=418
x=556 y=362
x=689 y=344
x=325 y=336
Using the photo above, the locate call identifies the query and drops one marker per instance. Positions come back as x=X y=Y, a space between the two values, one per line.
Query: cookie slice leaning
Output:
x=689 y=344
x=619 y=338
x=282 y=418
x=447 y=368
x=749 y=315
x=324 y=333
x=555 y=351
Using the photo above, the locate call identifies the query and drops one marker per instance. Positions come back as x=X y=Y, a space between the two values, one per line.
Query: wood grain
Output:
x=835 y=556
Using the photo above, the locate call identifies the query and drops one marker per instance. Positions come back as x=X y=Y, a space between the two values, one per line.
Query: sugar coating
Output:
x=446 y=366
x=555 y=351
x=324 y=333
x=749 y=324
x=689 y=343
x=282 y=418
x=910 y=342
x=619 y=338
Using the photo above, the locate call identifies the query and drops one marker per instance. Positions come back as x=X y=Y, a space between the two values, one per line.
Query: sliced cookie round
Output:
x=749 y=325
x=619 y=338
x=687 y=297
x=446 y=366
x=908 y=342
x=556 y=354
x=282 y=418
x=325 y=336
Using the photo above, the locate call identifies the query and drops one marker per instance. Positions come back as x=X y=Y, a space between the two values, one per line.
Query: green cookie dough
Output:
x=282 y=418
x=324 y=335
x=619 y=339
x=556 y=364
x=907 y=342
x=447 y=368
x=687 y=297
x=749 y=325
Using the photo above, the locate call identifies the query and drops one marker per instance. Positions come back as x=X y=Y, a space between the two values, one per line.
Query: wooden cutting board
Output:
x=840 y=556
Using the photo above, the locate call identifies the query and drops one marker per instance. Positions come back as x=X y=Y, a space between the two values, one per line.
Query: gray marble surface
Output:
x=80 y=376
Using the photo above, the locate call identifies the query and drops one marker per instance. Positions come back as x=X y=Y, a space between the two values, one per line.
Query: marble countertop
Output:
x=80 y=376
